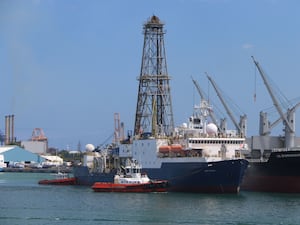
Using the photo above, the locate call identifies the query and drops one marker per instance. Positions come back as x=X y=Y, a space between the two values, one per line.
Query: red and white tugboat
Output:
x=131 y=180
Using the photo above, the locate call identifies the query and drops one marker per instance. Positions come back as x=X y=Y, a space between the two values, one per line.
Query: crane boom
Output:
x=224 y=104
x=275 y=102
x=201 y=93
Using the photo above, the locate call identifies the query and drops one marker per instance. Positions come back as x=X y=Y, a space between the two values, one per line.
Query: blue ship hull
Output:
x=214 y=177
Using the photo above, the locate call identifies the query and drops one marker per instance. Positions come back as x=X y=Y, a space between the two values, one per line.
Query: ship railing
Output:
x=257 y=160
x=280 y=149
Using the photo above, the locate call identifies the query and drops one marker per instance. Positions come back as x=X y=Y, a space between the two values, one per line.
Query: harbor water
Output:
x=24 y=201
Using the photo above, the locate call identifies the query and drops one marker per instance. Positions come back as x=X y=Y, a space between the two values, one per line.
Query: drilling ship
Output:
x=192 y=157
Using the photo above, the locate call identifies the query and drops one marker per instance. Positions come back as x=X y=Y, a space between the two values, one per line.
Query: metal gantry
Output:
x=154 y=107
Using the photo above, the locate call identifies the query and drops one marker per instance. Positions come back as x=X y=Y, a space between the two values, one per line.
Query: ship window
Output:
x=196 y=120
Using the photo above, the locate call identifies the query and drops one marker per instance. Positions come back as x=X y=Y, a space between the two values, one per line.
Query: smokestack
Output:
x=6 y=130
x=9 y=129
x=12 y=128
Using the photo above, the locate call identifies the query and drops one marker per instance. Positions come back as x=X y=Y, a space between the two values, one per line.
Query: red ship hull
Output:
x=280 y=184
x=62 y=181
x=154 y=186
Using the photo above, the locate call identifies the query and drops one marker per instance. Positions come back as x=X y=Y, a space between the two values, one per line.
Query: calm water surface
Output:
x=23 y=201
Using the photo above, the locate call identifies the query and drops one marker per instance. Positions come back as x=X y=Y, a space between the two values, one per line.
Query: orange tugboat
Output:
x=62 y=179
x=131 y=180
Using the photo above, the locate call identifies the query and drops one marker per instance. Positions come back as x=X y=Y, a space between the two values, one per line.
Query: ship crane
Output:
x=241 y=127
x=221 y=128
x=288 y=118
x=265 y=125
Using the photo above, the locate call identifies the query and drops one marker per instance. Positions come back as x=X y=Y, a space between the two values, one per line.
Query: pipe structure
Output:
x=12 y=129
x=6 y=130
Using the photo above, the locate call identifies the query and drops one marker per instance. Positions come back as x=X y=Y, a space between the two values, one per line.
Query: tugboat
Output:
x=131 y=180
x=59 y=181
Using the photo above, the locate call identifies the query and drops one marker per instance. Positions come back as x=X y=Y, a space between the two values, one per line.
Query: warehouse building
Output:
x=14 y=154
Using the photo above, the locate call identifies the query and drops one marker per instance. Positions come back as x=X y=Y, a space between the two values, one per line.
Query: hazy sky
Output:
x=67 y=66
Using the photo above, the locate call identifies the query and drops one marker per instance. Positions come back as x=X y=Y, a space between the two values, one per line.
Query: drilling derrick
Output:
x=154 y=107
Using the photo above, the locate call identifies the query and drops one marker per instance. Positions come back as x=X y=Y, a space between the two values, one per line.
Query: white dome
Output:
x=211 y=128
x=89 y=147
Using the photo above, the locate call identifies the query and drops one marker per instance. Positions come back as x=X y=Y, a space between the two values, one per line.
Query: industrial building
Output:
x=14 y=154
x=31 y=152
x=38 y=147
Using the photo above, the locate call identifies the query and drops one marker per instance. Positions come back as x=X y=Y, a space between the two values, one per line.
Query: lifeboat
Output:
x=176 y=148
x=165 y=149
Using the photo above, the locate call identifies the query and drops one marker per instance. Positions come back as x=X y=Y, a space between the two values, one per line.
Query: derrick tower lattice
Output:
x=154 y=107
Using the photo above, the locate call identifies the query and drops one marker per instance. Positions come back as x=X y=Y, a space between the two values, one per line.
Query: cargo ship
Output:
x=279 y=173
x=192 y=157
x=274 y=162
